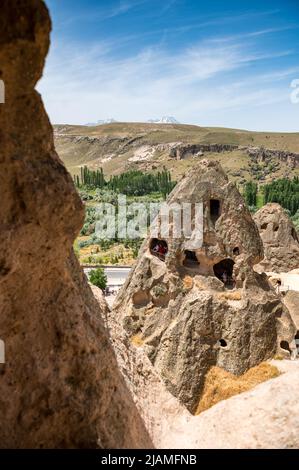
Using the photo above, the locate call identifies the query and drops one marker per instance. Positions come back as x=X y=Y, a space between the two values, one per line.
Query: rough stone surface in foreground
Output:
x=265 y=417
x=181 y=311
x=280 y=239
x=60 y=386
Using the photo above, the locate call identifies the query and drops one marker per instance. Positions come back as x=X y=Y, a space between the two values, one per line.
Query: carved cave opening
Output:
x=190 y=259
x=159 y=248
x=224 y=271
x=285 y=345
x=215 y=209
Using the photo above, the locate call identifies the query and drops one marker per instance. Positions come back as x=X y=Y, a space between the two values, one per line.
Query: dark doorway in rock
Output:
x=236 y=251
x=159 y=248
x=285 y=345
x=297 y=341
x=215 y=209
x=264 y=226
x=224 y=271
x=222 y=343
x=190 y=260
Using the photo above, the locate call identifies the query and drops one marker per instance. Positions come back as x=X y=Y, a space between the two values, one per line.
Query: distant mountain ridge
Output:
x=162 y=120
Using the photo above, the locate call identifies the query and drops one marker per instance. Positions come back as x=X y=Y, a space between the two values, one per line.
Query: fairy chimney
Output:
x=60 y=384
x=280 y=239
x=194 y=301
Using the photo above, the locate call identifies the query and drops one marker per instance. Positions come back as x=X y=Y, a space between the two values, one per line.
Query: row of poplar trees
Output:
x=284 y=191
x=131 y=183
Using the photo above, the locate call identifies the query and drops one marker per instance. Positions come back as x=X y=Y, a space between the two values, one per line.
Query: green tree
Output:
x=284 y=191
x=98 y=278
x=251 y=193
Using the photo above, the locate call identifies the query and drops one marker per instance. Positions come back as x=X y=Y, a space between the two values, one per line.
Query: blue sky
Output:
x=212 y=63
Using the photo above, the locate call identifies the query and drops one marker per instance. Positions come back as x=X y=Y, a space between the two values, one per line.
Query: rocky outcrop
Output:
x=63 y=385
x=258 y=154
x=291 y=300
x=182 y=151
x=204 y=305
x=263 y=155
x=60 y=385
x=264 y=417
x=280 y=239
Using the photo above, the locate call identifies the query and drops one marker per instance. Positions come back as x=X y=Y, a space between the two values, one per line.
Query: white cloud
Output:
x=123 y=6
x=84 y=85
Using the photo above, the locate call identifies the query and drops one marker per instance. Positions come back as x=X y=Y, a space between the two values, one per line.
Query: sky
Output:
x=211 y=63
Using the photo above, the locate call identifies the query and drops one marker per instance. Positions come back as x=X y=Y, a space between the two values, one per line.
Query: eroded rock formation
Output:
x=280 y=239
x=182 y=151
x=60 y=385
x=250 y=420
x=264 y=417
x=291 y=300
x=258 y=154
x=263 y=155
x=203 y=304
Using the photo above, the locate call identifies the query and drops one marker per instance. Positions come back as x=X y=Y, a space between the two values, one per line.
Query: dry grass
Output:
x=235 y=295
x=279 y=357
x=137 y=340
x=221 y=385
x=188 y=282
x=200 y=285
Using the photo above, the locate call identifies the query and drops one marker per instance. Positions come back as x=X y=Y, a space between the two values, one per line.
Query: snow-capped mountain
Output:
x=101 y=122
x=164 y=120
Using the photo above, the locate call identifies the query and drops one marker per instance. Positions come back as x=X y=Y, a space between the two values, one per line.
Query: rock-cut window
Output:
x=215 y=209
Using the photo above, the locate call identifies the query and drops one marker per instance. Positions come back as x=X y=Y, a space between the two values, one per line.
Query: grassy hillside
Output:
x=119 y=147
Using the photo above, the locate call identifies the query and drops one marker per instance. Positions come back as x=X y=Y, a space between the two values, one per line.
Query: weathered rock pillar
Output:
x=60 y=385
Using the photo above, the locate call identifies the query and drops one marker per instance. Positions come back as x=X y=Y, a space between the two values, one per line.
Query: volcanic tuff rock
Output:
x=60 y=386
x=280 y=239
x=264 y=417
x=205 y=305
x=291 y=300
